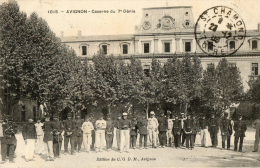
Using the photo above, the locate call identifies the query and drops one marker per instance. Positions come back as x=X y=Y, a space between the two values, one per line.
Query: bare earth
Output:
x=160 y=157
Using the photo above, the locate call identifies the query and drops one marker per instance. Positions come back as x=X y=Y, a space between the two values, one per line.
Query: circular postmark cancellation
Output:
x=220 y=31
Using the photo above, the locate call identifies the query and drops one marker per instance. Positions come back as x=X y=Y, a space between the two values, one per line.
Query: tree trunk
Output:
x=147 y=109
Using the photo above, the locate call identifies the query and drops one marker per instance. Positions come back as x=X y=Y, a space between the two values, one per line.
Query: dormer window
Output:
x=84 y=50
x=254 y=45
x=232 y=45
x=104 y=49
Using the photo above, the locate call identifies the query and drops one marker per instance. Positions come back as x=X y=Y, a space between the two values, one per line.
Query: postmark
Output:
x=220 y=31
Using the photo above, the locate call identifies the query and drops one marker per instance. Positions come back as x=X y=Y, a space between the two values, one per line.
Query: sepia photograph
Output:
x=129 y=83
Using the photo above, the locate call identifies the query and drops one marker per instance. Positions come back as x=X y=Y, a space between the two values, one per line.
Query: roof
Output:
x=119 y=37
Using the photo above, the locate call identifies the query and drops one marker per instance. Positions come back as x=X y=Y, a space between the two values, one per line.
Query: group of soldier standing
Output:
x=178 y=131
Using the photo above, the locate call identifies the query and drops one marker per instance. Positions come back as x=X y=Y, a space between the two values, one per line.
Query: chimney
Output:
x=258 y=27
x=79 y=33
x=62 y=34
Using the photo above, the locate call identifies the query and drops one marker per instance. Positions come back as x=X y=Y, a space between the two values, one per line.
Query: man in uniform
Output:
x=226 y=131
x=124 y=126
x=163 y=126
x=48 y=129
x=118 y=131
x=177 y=131
x=8 y=141
x=183 y=135
x=240 y=129
x=133 y=133
x=100 y=126
x=203 y=124
x=57 y=137
x=169 y=134
x=142 y=128
x=153 y=129
x=69 y=134
x=78 y=133
x=256 y=125
x=109 y=133
x=188 y=129
x=87 y=128
x=213 y=130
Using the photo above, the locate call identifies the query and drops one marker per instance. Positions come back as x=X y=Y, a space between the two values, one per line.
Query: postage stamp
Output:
x=220 y=31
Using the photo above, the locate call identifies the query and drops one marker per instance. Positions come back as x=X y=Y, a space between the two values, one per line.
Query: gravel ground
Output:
x=160 y=157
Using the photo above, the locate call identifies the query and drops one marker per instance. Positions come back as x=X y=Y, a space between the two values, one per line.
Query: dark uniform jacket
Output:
x=240 y=128
x=213 y=125
x=142 y=126
x=163 y=124
x=9 y=130
x=124 y=124
x=29 y=131
x=226 y=127
x=133 y=130
x=78 y=125
x=189 y=125
x=110 y=127
x=116 y=124
x=58 y=128
x=177 y=126
x=69 y=127
x=195 y=126
x=48 y=128
x=203 y=123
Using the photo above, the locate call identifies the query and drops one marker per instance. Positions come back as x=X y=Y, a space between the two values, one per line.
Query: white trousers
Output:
x=100 y=139
x=39 y=148
x=204 y=136
x=153 y=137
x=87 y=141
x=49 y=149
x=29 y=149
x=124 y=140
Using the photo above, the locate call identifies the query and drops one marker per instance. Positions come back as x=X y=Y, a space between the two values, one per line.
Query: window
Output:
x=167 y=47
x=187 y=46
x=254 y=45
x=146 y=47
x=104 y=49
x=232 y=65
x=210 y=46
x=147 y=70
x=255 y=69
x=84 y=50
x=125 y=48
x=232 y=45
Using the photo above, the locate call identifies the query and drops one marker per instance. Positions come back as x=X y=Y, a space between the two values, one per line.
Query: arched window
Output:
x=84 y=50
x=232 y=45
x=254 y=45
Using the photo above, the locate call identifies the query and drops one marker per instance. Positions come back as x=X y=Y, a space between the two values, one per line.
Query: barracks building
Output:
x=165 y=32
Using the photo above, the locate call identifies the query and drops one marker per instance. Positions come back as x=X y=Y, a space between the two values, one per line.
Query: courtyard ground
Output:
x=160 y=157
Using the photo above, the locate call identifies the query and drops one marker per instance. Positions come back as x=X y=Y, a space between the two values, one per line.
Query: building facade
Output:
x=165 y=32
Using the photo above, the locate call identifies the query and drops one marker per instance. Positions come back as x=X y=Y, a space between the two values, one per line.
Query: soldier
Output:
x=29 y=136
x=124 y=126
x=39 y=149
x=48 y=128
x=195 y=129
x=226 y=131
x=240 y=129
x=142 y=128
x=133 y=133
x=78 y=133
x=203 y=124
x=57 y=137
x=162 y=130
x=183 y=135
x=153 y=129
x=169 y=134
x=256 y=125
x=109 y=133
x=213 y=130
x=100 y=133
x=188 y=129
x=87 y=128
x=8 y=141
x=118 y=131
x=177 y=131
x=69 y=134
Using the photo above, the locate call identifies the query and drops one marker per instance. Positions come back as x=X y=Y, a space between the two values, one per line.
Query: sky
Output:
x=122 y=23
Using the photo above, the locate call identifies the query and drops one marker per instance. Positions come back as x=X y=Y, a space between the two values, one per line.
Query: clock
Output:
x=146 y=25
x=167 y=22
